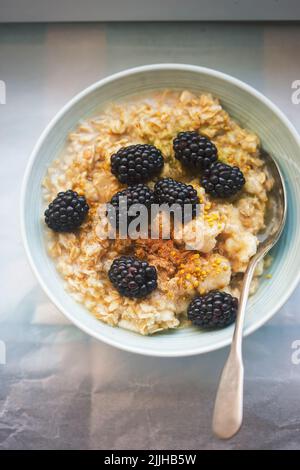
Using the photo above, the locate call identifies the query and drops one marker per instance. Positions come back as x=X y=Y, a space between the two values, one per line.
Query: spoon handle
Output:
x=228 y=411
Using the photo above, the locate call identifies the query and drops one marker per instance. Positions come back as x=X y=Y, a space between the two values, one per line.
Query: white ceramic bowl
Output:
x=244 y=104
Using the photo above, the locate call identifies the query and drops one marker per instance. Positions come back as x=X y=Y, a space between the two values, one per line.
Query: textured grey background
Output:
x=62 y=389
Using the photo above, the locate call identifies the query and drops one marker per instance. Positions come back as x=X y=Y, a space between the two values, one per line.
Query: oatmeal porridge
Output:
x=194 y=150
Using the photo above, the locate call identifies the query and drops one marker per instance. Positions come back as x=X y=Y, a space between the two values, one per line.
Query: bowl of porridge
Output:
x=143 y=202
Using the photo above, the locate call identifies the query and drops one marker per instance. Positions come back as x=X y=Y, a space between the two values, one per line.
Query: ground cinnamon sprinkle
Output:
x=190 y=267
x=162 y=253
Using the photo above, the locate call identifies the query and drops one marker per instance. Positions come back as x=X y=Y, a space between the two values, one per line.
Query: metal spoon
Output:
x=228 y=411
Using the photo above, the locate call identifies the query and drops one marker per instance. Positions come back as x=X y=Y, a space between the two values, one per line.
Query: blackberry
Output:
x=66 y=212
x=222 y=180
x=169 y=191
x=216 y=309
x=132 y=277
x=136 y=163
x=136 y=194
x=194 y=150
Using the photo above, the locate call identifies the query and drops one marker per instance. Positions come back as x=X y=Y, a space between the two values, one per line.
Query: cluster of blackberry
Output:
x=198 y=153
x=135 y=165
x=216 y=309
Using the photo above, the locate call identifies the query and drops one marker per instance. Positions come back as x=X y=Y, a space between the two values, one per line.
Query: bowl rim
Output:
x=111 y=78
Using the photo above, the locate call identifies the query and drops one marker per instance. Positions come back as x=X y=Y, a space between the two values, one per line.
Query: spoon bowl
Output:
x=277 y=205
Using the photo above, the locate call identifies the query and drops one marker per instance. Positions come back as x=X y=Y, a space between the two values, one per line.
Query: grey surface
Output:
x=62 y=389
x=145 y=10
